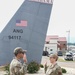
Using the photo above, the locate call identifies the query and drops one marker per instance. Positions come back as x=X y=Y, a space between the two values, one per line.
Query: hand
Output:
x=24 y=58
x=46 y=63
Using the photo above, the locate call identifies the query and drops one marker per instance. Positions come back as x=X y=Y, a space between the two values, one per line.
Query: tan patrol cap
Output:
x=19 y=50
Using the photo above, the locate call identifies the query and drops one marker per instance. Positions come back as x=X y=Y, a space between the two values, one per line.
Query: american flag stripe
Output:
x=21 y=23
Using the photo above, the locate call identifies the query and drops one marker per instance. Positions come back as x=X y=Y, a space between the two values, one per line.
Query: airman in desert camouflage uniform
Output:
x=16 y=67
x=54 y=68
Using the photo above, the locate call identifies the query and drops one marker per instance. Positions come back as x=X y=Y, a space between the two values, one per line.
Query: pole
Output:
x=68 y=41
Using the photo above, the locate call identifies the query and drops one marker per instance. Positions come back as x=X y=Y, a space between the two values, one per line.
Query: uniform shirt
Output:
x=17 y=68
x=54 y=70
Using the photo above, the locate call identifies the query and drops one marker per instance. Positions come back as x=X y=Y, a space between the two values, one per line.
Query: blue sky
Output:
x=62 y=17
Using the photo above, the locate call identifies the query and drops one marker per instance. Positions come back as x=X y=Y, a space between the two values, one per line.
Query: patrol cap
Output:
x=19 y=50
x=55 y=56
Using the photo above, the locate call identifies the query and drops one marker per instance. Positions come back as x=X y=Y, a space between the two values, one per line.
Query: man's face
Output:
x=52 y=60
x=21 y=55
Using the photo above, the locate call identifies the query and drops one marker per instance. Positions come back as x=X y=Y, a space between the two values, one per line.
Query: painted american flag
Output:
x=21 y=23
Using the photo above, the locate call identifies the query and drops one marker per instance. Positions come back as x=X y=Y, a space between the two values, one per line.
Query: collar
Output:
x=16 y=58
x=53 y=65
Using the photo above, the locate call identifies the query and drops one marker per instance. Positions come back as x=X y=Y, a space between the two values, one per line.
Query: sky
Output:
x=62 y=17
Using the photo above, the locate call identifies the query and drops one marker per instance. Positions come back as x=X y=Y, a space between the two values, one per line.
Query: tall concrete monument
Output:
x=26 y=29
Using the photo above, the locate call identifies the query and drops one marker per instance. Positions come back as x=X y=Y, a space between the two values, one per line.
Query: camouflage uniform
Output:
x=17 y=68
x=54 y=70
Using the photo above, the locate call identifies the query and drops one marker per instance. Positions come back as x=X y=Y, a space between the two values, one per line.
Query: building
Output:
x=51 y=44
x=62 y=43
x=54 y=43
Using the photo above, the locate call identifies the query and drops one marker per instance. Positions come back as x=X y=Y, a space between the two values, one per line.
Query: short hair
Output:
x=55 y=56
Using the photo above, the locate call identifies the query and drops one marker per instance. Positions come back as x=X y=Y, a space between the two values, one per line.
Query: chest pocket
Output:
x=54 y=71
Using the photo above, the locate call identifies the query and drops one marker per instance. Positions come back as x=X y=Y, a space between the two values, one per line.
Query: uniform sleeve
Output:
x=59 y=71
x=24 y=68
x=20 y=69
